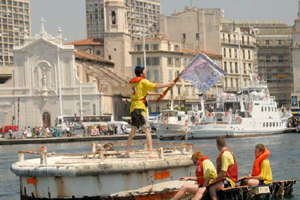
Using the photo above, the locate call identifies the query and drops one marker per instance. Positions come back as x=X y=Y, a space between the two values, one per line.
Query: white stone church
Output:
x=45 y=84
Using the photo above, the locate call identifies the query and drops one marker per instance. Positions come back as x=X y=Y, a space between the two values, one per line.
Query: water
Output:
x=284 y=158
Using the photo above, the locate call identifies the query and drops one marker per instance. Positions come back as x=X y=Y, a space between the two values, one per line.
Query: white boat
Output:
x=102 y=174
x=251 y=112
x=172 y=124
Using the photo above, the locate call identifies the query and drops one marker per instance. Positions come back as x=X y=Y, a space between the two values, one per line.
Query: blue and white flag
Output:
x=202 y=72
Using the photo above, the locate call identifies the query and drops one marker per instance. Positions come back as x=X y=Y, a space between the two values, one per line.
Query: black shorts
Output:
x=137 y=118
x=261 y=182
x=226 y=183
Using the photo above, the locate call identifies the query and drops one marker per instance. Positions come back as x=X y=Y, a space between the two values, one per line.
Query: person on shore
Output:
x=261 y=173
x=227 y=169
x=140 y=87
x=205 y=173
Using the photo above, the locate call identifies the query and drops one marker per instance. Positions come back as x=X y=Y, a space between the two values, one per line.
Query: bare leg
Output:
x=214 y=188
x=129 y=141
x=251 y=182
x=192 y=189
x=199 y=193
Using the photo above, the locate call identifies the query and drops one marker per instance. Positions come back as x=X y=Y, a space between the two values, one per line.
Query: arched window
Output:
x=98 y=52
x=94 y=109
x=113 y=17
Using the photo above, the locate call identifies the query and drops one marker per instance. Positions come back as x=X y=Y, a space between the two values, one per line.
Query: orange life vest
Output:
x=232 y=171
x=258 y=160
x=136 y=80
x=199 y=171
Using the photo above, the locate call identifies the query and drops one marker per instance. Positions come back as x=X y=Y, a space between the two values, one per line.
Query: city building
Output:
x=14 y=22
x=165 y=59
x=141 y=16
x=208 y=30
x=295 y=96
x=51 y=79
x=274 y=40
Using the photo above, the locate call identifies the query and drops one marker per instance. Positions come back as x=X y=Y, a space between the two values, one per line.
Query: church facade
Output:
x=45 y=84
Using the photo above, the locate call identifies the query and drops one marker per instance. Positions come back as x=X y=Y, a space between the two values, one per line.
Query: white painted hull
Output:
x=82 y=177
x=171 y=131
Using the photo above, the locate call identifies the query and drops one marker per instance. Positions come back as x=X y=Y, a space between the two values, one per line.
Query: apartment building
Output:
x=141 y=17
x=208 y=30
x=274 y=59
x=14 y=24
x=165 y=59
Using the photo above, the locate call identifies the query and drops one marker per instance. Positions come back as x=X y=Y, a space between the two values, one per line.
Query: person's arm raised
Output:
x=160 y=85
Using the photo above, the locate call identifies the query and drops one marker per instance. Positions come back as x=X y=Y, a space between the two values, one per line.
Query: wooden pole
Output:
x=168 y=88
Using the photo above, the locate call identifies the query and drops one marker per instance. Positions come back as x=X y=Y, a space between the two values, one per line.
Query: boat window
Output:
x=273 y=124
x=179 y=118
x=277 y=124
x=267 y=124
x=266 y=108
x=272 y=109
x=264 y=124
x=269 y=109
x=262 y=109
x=270 y=124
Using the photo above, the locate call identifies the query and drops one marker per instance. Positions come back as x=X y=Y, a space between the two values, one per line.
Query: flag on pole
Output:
x=202 y=72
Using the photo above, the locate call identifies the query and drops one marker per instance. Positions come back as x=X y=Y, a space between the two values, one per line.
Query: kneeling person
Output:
x=205 y=173
x=261 y=173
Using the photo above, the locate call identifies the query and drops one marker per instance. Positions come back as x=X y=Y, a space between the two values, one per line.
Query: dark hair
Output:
x=221 y=142
x=260 y=147
x=139 y=70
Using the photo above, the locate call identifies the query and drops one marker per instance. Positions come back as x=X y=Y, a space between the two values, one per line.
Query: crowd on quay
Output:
x=68 y=131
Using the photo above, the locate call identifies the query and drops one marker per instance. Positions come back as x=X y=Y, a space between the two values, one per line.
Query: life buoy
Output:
x=250 y=108
x=238 y=120
x=228 y=96
x=209 y=114
x=186 y=122
x=166 y=120
x=196 y=121
x=226 y=114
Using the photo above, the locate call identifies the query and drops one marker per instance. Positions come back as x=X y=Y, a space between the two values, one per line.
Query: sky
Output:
x=70 y=14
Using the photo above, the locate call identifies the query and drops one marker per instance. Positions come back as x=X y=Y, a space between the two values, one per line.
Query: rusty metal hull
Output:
x=90 y=177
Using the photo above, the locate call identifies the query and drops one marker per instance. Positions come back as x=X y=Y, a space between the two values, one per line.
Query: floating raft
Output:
x=104 y=174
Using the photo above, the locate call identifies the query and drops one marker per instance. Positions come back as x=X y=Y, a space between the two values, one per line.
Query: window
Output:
x=264 y=124
x=155 y=47
x=249 y=54
x=267 y=124
x=235 y=53
x=249 y=67
x=139 y=47
x=155 y=75
x=262 y=109
x=229 y=53
x=178 y=90
x=268 y=58
x=248 y=41
x=147 y=47
x=279 y=42
x=177 y=62
x=230 y=65
x=98 y=52
x=113 y=18
x=236 y=67
x=170 y=63
x=280 y=58
x=243 y=41
x=237 y=82
x=224 y=52
x=267 y=42
x=109 y=57
x=231 y=82
x=229 y=38
x=138 y=61
x=177 y=73
x=225 y=67
x=170 y=75
x=152 y=61
x=226 y=83
x=223 y=37
x=197 y=36
x=183 y=36
x=148 y=75
x=243 y=54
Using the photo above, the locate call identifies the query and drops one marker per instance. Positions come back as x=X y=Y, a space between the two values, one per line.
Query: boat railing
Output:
x=106 y=150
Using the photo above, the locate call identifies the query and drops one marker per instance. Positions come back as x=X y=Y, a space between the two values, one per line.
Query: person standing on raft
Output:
x=261 y=173
x=140 y=88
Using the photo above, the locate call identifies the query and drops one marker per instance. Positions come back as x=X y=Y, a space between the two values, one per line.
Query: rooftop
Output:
x=87 y=42
x=89 y=57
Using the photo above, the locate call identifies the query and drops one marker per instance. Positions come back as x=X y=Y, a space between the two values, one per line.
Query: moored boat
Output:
x=249 y=113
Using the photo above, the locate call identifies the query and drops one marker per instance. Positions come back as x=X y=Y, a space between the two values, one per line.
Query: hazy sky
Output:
x=70 y=14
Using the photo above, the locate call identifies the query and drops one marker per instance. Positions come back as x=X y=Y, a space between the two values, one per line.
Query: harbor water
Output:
x=284 y=158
